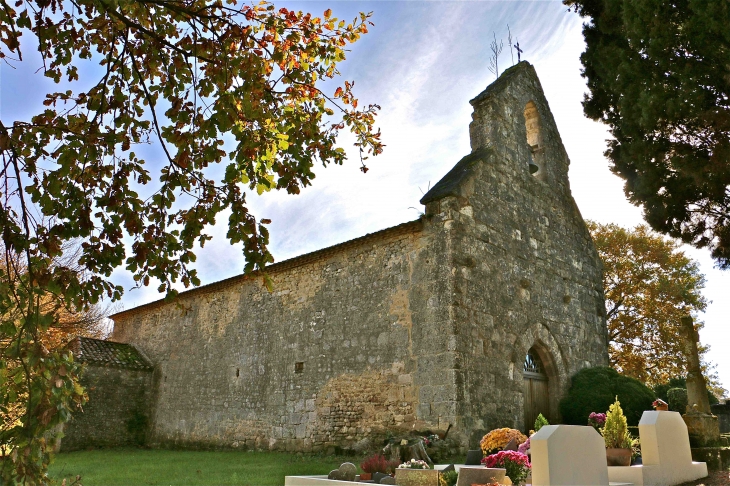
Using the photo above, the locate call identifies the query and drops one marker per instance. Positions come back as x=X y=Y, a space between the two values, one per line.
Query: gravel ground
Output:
x=716 y=478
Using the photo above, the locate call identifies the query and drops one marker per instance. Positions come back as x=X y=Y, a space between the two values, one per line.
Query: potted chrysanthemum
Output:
x=516 y=464
x=416 y=473
x=497 y=439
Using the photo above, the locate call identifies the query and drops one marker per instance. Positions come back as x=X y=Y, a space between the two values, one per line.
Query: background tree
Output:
x=211 y=83
x=67 y=324
x=659 y=77
x=90 y=322
x=649 y=285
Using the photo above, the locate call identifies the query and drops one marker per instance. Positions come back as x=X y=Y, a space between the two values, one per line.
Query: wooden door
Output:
x=536 y=398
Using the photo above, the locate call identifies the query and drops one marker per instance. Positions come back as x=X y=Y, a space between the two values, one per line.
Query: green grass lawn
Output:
x=158 y=467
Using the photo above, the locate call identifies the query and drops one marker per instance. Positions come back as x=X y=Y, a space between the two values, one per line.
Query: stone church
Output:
x=476 y=316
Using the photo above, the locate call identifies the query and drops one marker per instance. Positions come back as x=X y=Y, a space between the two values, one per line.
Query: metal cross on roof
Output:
x=519 y=51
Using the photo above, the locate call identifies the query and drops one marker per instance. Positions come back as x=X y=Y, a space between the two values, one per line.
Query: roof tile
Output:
x=108 y=353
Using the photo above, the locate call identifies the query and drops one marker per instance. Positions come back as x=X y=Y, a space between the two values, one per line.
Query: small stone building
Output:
x=474 y=315
x=118 y=381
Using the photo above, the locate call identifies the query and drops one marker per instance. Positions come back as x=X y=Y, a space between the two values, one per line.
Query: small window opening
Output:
x=299 y=367
x=534 y=139
x=533 y=363
x=238 y=372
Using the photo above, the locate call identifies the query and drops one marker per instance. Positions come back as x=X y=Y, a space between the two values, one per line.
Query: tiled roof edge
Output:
x=450 y=183
x=403 y=228
x=141 y=361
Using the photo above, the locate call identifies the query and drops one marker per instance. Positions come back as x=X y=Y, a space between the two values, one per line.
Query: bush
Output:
x=677 y=398
x=449 y=478
x=378 y=463
x=595 y=389
x=662 y=390
x=540 y=422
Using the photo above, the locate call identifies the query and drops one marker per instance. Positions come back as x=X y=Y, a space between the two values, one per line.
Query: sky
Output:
x=422 y=62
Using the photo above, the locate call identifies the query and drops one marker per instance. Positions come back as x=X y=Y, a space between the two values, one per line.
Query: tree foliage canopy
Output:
x=235 y=98
x=649 y=285
x=659 y=77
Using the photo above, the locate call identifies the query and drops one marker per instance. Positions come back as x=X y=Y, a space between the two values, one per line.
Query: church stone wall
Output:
x=526 y=272
x=352 y=342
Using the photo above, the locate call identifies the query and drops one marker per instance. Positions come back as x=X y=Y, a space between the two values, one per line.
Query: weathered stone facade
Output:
x=419 y=326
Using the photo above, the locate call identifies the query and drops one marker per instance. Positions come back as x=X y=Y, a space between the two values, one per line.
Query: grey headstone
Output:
x=511 y=445
x=336 y=475
x=474 y=458
x=377 y=476
x=388 y=480
x=348 y=470
x=448 y=468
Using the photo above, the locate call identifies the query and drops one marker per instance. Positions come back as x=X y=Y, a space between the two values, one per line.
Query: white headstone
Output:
x=664 y=439
x=568 y=455
x=665 y=453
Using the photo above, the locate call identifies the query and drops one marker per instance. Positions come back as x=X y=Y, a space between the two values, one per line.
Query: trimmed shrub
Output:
x=540 y=422
x=662 y=390
x=677 y=399
x=595 y=389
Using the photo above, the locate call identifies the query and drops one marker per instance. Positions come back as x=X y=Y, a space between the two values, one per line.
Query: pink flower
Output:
x=498 y=459
x=524 y=447
x=516 y=463
x=597 y=419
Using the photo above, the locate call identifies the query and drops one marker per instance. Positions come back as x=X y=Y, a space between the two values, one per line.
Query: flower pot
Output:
x=416 y=477
x=664 y=408
x=366 y=476
x=618 y=457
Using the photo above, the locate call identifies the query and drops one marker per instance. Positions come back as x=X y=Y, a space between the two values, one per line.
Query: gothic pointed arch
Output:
x=541 y=362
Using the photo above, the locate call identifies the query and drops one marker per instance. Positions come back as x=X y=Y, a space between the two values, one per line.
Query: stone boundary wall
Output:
x=117 y=413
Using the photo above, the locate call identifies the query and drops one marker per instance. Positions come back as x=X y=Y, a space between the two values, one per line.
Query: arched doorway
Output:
x=536 y=389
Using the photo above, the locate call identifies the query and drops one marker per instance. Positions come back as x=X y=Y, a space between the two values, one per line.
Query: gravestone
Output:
x=665 y=453
x=568 y=455
x=702 y=426
x=469 y=475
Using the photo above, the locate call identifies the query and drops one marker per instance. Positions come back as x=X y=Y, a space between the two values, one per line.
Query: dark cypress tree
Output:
x=659 y=77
